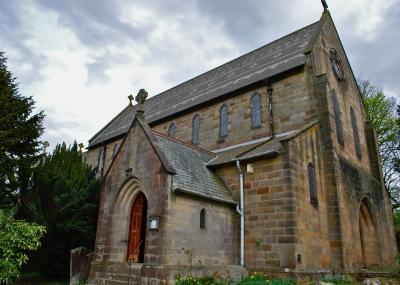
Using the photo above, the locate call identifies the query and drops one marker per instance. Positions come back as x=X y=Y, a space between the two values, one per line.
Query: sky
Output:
x=80 y=59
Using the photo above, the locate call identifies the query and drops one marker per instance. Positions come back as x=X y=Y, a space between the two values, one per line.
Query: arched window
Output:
x=312 y=185
x=202 y=219
x=115 y=150
x=224 y=121
x=172 y=130
x=337 y=66
x=256 y=110
x=338 y=120
x=196 y=130
x=100 y=159
x=356 y=135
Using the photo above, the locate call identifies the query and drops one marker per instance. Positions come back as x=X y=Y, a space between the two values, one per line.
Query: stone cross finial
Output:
x=81 y=146
x=324 y=4
x=130 y=97
x=141 y=97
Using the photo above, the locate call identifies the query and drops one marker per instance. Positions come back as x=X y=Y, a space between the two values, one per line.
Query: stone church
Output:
x=266 y=161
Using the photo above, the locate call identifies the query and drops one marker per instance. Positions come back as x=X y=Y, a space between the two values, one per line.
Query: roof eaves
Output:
x=299 y=132
x=107 y=125
x=183 y=143
x=218 y=199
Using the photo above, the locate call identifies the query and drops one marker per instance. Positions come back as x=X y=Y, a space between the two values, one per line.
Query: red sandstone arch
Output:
x=368 y=238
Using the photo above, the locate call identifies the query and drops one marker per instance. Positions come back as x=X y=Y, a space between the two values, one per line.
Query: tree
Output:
x=16 y=237
x=64 y=196
x=20 y=130
x=380 y=110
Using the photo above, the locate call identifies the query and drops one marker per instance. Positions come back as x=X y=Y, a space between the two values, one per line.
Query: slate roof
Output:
x=191 y=173
x=267 y=147
x=274 y=58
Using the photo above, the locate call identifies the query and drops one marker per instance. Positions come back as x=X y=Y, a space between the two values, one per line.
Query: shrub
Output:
x=191 y=280
x=16 y=238
x=258 y=278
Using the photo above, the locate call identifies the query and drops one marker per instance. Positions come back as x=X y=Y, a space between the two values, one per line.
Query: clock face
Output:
x=336 y=65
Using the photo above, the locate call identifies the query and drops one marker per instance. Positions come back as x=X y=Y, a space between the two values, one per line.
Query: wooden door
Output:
x=135 y=229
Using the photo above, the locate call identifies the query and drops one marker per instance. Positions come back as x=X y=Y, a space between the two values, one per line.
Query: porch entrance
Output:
x=137 y=229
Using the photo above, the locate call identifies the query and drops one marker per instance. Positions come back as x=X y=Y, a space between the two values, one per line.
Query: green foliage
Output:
x=191 y=280
x=258 y=278
x=380 y=110
x=63 y=196
x=20 y=130
x=16 y=238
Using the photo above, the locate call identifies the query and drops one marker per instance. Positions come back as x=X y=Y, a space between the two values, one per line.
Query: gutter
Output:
x=240 y=210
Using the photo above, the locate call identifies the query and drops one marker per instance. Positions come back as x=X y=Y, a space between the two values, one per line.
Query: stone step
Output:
x=117 y=282
x=121 y=276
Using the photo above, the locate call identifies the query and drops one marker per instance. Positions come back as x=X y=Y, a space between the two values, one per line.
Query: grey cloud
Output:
x=53 y=122
x=242 y=19
x=377 y=60
x=253 y=23
x=95 y=22
x=14 y=35
x=97 y=70
x=97 y=25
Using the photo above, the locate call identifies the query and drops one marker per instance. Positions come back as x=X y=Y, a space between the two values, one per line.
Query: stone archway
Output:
x=368 y=237
x=126 y=206
x=137 y=229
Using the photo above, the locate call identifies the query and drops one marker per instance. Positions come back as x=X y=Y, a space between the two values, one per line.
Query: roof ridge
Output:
x=183 y=143
x=236 y=59
x=109 y=123
x=256 y=145
x=249 y=68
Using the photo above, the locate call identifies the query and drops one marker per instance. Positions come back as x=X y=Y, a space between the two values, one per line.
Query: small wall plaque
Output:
x=154 y=223
x=249 y=168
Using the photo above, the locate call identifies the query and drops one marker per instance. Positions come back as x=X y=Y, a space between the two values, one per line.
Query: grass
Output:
x=262 y=279
x=253 y=279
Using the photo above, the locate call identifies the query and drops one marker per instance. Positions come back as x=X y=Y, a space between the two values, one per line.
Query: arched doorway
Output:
x=137 y=229
x=369 y=244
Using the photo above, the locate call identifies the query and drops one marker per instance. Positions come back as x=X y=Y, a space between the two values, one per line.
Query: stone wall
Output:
x=119 y=190
x=357 y=187
x=349 y=179
x=91 y=156
x=347 y=93
x=215 y=245
x=270 y=222
x=292 y=107
x=312 y=248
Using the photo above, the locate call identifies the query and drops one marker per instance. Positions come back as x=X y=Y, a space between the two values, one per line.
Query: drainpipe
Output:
x=240 y=210
x=271 y=115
